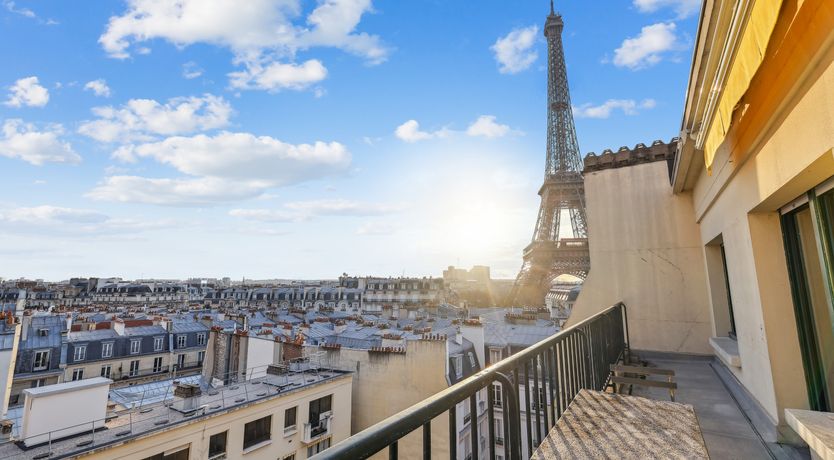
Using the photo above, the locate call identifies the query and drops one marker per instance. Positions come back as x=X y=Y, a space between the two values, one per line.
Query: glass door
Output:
x=807 y=230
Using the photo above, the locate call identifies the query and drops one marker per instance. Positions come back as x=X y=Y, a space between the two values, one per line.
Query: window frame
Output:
x=219 y=455
x=262 y=438
x=107 y=346
x=158 y=344
x=135 y=346
x=77 y=374
x=79 y=353
x=46 y=361
x=182 y=341
x=289 y=429
x=133 y=372
x=109 y=371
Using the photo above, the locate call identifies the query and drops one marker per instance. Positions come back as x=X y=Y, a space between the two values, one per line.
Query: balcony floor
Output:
x=726 y=417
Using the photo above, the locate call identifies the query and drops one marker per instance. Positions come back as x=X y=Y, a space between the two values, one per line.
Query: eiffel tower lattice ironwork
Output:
x=563 y=192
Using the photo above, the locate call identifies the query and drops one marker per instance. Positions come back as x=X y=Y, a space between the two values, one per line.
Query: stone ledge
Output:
x=727 y=350
x=623 y=157
x=815 y=428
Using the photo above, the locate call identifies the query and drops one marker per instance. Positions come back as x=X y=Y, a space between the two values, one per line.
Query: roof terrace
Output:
x=141 y=411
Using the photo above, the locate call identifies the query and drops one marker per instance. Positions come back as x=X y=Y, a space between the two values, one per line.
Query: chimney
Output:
x=187 y=397
x=26 y=321
x=458 y=337
x=119 y=326
x=473 y=330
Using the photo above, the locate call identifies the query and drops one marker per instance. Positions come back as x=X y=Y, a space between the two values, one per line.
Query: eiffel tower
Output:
x=563 y=192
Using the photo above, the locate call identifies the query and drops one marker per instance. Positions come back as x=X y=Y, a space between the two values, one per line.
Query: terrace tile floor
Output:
x=728 y=424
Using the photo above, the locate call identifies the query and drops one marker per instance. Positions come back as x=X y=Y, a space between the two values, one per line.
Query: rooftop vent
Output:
x=186 y=397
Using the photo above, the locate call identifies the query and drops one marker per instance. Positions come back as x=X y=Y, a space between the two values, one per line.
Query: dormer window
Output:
x=43 y=332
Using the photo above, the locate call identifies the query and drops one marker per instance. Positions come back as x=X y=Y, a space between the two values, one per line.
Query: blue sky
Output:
x=303 y=139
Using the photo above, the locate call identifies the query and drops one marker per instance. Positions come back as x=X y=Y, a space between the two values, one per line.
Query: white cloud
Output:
x=628 y=107
x=22 y=140
x=376 y=228
x=298 y=211
x=264 y=35
x=27 y=92
x=683 y=8
x=71 y=221
x=98 y=87
x=486 y=126
x=266 y=215
x=277 y=76
x=244 y=156
x=225 y=167
x=26 y=12
x=190 y=70
x=341 y=207
x=410 y=132
x=143 y=119
x=11 y=7
x=206 y=191
x=648 y=47
x=513 y=51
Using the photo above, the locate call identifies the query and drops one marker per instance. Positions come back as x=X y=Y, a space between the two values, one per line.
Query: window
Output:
x=808 y=228
x=318 y=447
x=290 y=420
x=732 y=331
x=43 y=332
x=77 y=374
x=181 y=341
x=180 y=360
x=177 y=454
x=472 y=361
x=41 y=360
x=37 y=383
x=257 y=431
x=719 y=282
x=134 y=368
x=289 y=457
x=107 y=349
x=157 y=364
x=318 y=408
x=201 y=356
x=217 y=446
x=105 y=371
x=494 y=355
x=80 y=353
x=467 y=415
x=157 y=344
x=497 y=395
x=459 y=365
x=135 y=346
x=201 y=338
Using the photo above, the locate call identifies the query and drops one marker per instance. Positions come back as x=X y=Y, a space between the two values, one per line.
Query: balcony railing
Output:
x=314 y=431
x=575 y=358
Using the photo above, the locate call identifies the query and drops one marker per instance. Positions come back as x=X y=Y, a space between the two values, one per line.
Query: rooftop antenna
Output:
x=551 y=7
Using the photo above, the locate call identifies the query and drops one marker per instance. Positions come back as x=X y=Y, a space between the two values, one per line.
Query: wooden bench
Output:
x=639 y=376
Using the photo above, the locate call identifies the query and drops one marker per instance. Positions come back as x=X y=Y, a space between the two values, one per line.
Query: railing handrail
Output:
x=388 y=431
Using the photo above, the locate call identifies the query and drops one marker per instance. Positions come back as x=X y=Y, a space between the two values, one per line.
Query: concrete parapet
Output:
x=624 y=156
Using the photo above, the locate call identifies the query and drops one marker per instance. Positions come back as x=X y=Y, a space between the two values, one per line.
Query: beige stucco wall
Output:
x=646 y=251
x=196 y=435
x=387 y=383
x=741 y=202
